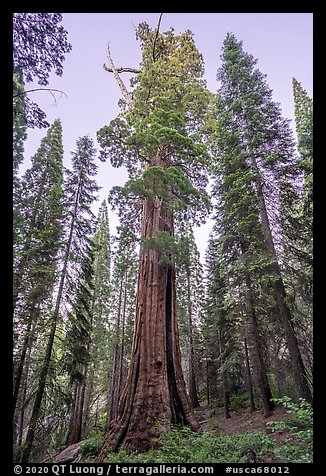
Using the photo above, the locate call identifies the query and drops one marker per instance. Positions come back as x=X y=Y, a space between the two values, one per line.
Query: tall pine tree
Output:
x=36 y=253
x=80 y=192
x=266 y=144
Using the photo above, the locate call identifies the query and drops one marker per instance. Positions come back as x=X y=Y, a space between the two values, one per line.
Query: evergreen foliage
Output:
x=41 y=208
x=106 y=326
x=169 y=103
x=80 y=318
x=255 y=157
x=39 y=45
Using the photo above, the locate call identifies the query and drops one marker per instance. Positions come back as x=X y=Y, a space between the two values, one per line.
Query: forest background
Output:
x=77 y=343
x=282 y=43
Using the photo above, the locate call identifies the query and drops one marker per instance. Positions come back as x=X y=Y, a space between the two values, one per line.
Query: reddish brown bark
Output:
x=76 y=421
x=154 y=396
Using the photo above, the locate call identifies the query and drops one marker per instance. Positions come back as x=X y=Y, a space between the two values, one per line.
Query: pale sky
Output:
x=282 y=43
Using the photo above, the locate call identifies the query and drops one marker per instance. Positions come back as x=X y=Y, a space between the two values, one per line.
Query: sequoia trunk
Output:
x=154 y=396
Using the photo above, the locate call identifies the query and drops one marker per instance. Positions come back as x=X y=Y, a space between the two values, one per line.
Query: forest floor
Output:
x=241 y=421
x=212 y=420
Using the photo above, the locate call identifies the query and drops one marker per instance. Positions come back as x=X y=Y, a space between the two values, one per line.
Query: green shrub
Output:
x=299 y=443
x=91 y=446
x=238 y=401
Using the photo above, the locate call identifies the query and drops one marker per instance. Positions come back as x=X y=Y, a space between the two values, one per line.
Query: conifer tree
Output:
x=222 y=328
x=124 y=276
x=296 y=225
x=297 y=196
x=245 y=258
x=158 y=141
x=40 y=203
x=36 y=253
x=80 y=192
x=77 y=344
x=263 y=138
x=303 y=106
x=39 y=45
x=96 y=381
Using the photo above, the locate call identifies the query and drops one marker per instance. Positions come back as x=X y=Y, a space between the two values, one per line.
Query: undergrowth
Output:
x=298 y=446
x=182 y=445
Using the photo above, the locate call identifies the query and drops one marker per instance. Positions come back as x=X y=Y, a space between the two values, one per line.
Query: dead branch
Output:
x=125 y=93
x=39 y=89
x=122 y=70
x=155 y=39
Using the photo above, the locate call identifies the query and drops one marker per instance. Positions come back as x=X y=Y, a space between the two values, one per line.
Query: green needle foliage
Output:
x=80 y=318
x=169 y=101
x=41 y=208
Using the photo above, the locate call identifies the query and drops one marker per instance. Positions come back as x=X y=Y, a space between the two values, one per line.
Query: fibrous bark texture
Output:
x=155 y=395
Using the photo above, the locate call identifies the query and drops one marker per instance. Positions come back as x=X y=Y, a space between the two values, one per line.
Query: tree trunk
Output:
x=208 y=393
x=261 y=375
x=115 y=387
x=89 y=394
x=154 y=396
x=260 y=370
x=19 y=416
x=249 y=382
x=75 y=427
x=26 y=348
x=299 y=371
x=39 y=396
x=221 y=340
x=192 y=375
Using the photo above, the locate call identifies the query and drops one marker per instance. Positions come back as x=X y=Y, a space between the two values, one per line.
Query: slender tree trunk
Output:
x=121 y=376
x=89 y=391
x=39 y=395
x=19 y=415
x=261 y=374
x=155 y=391
x=249 y=382
x=207 y=383
x=192 y=374
x=20 y=367
x=226 y=396
x=27 y=345
x=77 y=415
x=72 y=412
x=115 y=387
x=299 y=371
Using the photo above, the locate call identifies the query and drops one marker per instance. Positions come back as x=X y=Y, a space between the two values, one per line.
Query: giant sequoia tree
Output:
x=157 y=139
